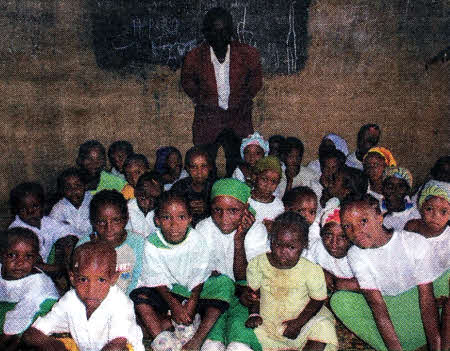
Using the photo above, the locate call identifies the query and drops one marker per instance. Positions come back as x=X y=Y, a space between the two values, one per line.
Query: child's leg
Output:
x=151 y=308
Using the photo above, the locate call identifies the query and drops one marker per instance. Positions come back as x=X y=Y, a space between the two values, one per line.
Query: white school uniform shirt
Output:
x=222 y=73
x=222 y=245
x=114 y=318
x=401 y=264
x=305 y=177
x=78 y=218
x=339 y=267
x=267 y=210
x=29 y=293
x=183 y=174
x=139 y=223
x=186 y=263
x=441 y=248
x=376 y=195
x=313 y=236
x=51 y=230
x=353 y=162
x=397 y=220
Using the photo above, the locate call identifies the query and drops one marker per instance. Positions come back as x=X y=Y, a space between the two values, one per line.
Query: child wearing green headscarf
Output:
x=235 y=238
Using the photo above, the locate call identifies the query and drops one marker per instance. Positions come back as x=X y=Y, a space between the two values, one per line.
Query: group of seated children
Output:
x=265 y=260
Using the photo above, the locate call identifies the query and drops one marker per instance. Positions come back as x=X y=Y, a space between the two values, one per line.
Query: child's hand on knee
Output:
x=292 y=329
x=118 y=344
x=53 y=344
x=253 y=321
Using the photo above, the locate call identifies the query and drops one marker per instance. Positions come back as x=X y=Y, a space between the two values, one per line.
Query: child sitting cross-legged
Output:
x=288 y=292
x=25 y=292
x=96 y=313
x=175 y=278
x=141 y=208
x=395 y=270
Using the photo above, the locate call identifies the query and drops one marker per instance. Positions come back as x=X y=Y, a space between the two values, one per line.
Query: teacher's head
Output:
x=218 y=28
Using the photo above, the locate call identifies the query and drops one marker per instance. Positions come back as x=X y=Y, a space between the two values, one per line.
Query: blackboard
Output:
x=160 y=32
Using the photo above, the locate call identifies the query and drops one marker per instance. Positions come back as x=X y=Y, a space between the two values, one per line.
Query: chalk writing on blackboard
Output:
x=162 y=31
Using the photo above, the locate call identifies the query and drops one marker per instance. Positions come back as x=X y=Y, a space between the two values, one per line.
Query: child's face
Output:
x=335 y=240
x=330 y=169
x=147 y=196
x=18 y=259
x=361 y=224
x=174 y=220
x=31 y=210
x=199 y=169
x=118 y=159
x=369 y=140
x=74 y=190
x=110 y=224
x=274 y=148
x=436 y=213
x=227 y=213
x=253 y=153
x=394 y=192
x=133 y=171
x=374 y=166
x=94 y=162
x=92 y=281
x=293 y=161
x=286 y=247
x=174 y=164
x=267 y=182
x=306 y=206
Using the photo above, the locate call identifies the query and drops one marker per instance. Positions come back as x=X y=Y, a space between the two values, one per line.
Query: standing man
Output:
x=222 y=76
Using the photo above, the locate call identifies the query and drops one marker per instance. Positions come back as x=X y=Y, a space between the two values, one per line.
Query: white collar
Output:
x=214 y=57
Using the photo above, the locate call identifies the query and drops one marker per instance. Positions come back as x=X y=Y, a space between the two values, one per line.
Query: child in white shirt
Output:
x=95 y=312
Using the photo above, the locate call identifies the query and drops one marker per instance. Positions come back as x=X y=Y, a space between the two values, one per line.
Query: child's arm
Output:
x=34 y=337
x=9 y=342
x=294 y=326
x=382 y=320
x=240 y=259
x=117 y=344
x=191 y=305
x=179 y=314
x=254 y=318
x=445 y=325
x=350 y=284
x=430 y=315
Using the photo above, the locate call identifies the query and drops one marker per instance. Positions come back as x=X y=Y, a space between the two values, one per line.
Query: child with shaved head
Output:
x=97 y=314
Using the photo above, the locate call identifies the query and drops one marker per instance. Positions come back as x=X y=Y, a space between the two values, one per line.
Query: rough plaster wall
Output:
x=365 y=65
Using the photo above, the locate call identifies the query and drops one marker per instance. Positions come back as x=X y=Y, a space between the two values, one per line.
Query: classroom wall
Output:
x=365 y=64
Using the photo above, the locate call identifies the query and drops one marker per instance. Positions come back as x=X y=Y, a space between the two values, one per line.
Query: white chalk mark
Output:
x=292 y=36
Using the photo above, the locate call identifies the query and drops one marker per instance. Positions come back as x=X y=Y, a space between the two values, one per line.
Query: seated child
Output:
x=134 y=166
x=331 y=251
x=197 y=187
x=140 y=209
x=169 y=164
x=117 y=154
x=290 y=312
x=234 y=238
x=368 y=137
x=92 y=159
x=296 y=174
x=27 y=202
x=395 y=271
x=303 y=200
x=109 y=216
x=25 y=293
x=253 y=148
x=396 y=205
x=275 y=142
x=267 y=174
x=329 y=142
x=73 y=206
x=175 y=277
x=96 y=313
x=374 y=162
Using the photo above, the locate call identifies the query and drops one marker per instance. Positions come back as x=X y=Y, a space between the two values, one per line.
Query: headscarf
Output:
x=331 y=212
x=387 y=155
x=398 y=172
x=338 y=142
x=231 y=187
x=255 y=139
x=268 y=163
x=434 y=188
